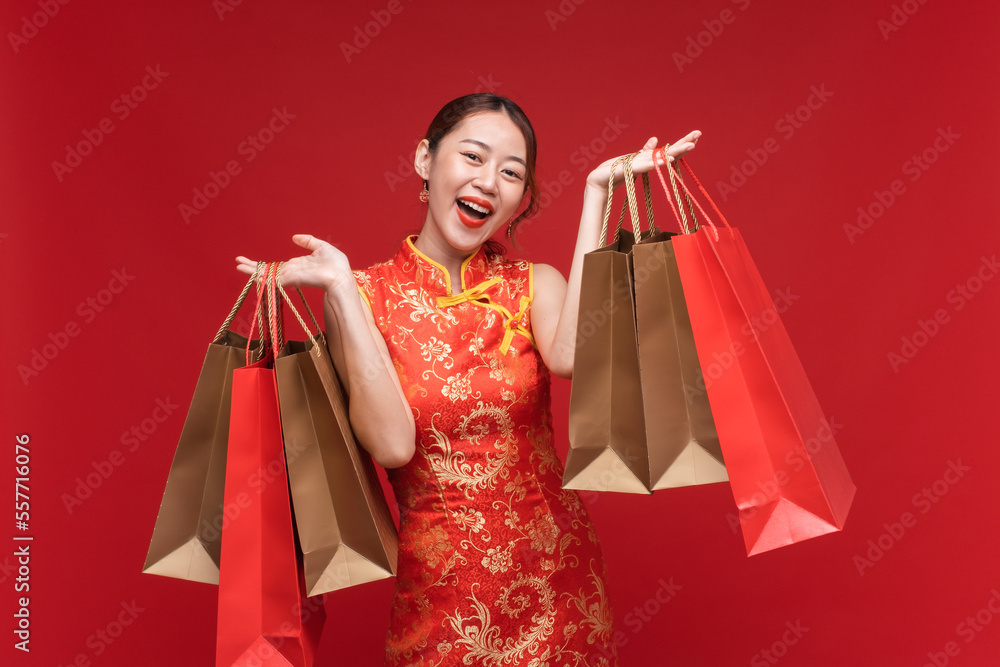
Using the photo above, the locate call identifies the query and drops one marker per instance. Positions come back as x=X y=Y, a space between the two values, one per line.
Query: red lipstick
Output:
x=469 y=221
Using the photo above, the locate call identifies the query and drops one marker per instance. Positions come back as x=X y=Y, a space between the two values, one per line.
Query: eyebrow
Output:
x=487 y=148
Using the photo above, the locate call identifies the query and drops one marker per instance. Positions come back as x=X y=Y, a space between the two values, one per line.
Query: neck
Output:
x=445 y=254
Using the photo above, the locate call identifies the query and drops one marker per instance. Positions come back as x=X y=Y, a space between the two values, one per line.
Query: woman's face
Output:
x=476 y=179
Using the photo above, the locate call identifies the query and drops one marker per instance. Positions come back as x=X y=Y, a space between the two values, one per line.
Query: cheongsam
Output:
x=498 y=565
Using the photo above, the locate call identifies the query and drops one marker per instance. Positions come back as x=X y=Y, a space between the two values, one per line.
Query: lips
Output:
x=473 y=212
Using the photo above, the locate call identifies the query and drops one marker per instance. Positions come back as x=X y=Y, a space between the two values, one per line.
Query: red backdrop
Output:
x=851 y=143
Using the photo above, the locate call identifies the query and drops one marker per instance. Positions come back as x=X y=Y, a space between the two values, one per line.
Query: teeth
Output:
x=475 y=207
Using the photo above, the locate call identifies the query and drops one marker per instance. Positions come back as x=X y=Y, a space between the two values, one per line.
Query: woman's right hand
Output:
x=325 y=267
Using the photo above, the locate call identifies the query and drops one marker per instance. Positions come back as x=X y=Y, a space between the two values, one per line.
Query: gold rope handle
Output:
x=308 y=309
x=607 y=209
x=305 y=327
x=239 y=302
x=633 y=204
x=649 y=202
x=677 y=196
x=687 y=198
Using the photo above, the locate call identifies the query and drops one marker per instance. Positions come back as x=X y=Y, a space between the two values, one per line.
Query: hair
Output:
x=454 y=112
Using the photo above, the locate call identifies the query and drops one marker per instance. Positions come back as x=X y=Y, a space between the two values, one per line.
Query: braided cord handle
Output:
x=675 y=178
x=317 y=349
x=678 y=210
x=633 y=205
x=707 y=196
x=274 y=309
x=607 y=209
x=239 y=303
x=258 y=320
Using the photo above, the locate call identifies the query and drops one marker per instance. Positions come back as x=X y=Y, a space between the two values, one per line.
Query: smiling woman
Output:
x=446 y=358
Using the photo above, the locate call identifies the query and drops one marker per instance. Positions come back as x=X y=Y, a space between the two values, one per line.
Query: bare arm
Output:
x=380 y=415
x=556 y=306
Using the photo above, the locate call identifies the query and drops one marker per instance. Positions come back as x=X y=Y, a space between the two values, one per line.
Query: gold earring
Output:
x=424 y=194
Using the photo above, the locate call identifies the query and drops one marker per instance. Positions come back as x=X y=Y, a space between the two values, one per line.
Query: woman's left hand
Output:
x=642 y=163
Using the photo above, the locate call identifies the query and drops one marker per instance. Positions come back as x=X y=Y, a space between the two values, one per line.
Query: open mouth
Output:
x=473 y=212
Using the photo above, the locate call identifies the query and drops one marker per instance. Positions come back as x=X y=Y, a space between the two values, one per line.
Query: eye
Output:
x=513 y=174
x=472 y=156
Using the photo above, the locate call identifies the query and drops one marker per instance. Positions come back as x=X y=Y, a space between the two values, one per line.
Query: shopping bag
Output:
x=263 y=615
x=186 y=539
x=342 y=519
x=785 y=469
x=607 y=435
x=681 y=439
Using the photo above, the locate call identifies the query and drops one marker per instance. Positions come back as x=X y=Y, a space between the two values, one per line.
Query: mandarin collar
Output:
x=432 y=275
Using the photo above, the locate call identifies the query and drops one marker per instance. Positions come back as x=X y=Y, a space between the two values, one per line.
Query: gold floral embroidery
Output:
x=498 y=565
x=437 y=350
x=497 y=560
x=468 y=519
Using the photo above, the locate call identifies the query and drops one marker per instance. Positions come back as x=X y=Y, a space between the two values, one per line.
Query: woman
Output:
x=446 y=360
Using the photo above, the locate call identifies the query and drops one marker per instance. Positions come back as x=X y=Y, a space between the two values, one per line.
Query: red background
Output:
x=356 y=122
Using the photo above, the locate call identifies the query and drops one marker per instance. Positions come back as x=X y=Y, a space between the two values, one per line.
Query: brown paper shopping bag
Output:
x=681 y=438
x=606 y=429
x=342 y=518
x=186 y=541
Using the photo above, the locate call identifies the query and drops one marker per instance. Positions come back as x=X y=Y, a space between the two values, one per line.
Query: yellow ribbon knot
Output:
x=477 y=295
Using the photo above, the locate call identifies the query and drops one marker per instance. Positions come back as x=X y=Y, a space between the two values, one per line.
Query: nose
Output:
x=486 y=180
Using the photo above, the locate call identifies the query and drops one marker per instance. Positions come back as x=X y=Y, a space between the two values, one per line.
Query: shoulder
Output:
x=548 y=289
x=547 y=278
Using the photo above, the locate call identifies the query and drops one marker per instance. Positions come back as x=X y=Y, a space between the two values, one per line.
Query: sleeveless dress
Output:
x=498 y=565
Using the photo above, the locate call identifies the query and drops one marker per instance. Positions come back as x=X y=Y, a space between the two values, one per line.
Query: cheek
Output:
x=513 y=196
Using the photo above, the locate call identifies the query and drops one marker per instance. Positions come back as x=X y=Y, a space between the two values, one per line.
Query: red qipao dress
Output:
x=498 y=565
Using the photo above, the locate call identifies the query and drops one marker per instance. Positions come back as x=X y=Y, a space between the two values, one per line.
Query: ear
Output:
x=422 y=159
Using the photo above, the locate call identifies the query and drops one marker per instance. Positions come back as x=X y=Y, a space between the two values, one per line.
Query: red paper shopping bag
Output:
x=785 y=469
x=264 y=616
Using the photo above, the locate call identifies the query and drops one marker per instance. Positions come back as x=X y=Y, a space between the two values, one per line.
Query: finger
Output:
x=650 y=144
x=307 y=241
